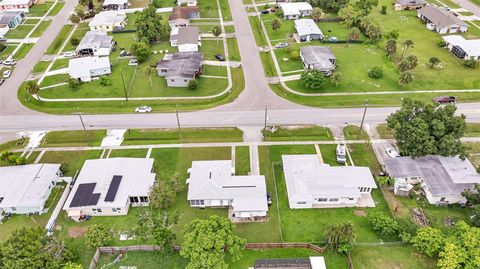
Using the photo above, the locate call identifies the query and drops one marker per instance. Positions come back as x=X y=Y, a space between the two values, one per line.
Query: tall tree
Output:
x=406 y=45
x=424 y=129
x=354 y=34
x=207 y=241
x=391 y=47
x=336 y=78
x=141 y=50
x=313 y=79
x=429 y=241
x=150 y=26
x=149 y=71
x=98 y=236
x=216 y=31
x=405 y=78
x=340 y=237
x=366 y=6
x=317 y=14
x=162 y=195
x=434 y=61
x=33 y=88
x=349 y=15
x=157 y=228
x=276 y=24
x=412 y=61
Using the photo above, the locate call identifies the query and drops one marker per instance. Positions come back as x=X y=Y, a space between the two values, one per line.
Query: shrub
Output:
x=105 y=81
x=384 y=10
x=279 y=12
x=470 y=63
x=192 y=85
x=441 y=44
x=384 y=225
x=73 y=83
x=74 y=41
x=375 y=72
x=313 y=79
x=294 y=55
x=64 y=168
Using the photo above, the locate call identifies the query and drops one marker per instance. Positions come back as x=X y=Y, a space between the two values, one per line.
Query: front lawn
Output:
x=352 y=132
x=39 y=10
x=298 y=133
x=41 y=28
x=128 y=153
x=40 y=67
x=23 y=51
x=19 y=32
x=57 y=43
x=59 y=64
x=189 y=135
x=242 y=160
x=210 y=48
x=73 y=138
x=73 y=159
x=384 y=132
x=473 y=130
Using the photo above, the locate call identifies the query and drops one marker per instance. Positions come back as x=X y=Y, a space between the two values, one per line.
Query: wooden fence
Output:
x=117 y=249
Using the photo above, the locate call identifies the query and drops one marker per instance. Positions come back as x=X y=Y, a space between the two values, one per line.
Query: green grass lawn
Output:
x=242 y=160
x=233 y=52
x=23 y=51
x=73 y=159
x=257 y=31
x=59 y=64
x=213 y=70
x=208 y=9
x=404 y=257
x=352 y=132
x=56 y=9
x=225 y=7
x=53 y=80
x=41 y=28
x=38 y=10
x=40 y=67
x=473 y=129
x=189 y=135
x=268 y=66
x=10 y=48
x=286 y=62
x=57 y=43
x=13 y=144
x=19 y=32
x=298 y=133
x=73 y=138
x=384 y=132
x=79 y=33
x=130 y=153
x=285 y=32
x=210 y=48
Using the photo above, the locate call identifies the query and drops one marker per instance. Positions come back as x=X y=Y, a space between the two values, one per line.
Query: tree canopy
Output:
x=207 y=241
x=150 y=26
x=340 y=237
x=313 y=79
x=428 y=129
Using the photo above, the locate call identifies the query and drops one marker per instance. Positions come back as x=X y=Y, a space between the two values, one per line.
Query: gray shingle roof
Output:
x=318 y=56
x=411 y=2
x=188 y=35
x=181 y=64
x=439 y=16
x=95 y=39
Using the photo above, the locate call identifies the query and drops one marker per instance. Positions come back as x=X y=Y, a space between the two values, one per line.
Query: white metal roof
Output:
x=317 y=262
x=137 y=179
x=115 y=2
x=81 y=67
x=26 y=185
x=95 y=40
x=294 y=8
x=111 y=17
x=307 y=27
x=471 y=47
x=307 y=178
x=14 y=2
x=210 y=180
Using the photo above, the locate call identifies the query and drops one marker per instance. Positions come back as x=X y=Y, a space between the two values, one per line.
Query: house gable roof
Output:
x=440 y=16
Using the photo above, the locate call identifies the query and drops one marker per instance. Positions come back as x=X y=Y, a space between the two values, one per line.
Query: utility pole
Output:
x=124 y=89
x=363 y=118
x=178 y=123
x=84 y=128
x=266 y=116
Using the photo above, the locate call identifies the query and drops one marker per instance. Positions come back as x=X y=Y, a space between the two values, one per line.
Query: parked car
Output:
x=69 y=54
x=1 y=81
x=281 y=45
x=143 y=109
x=9 y=62
x=392 y=153
x=265 y=11
x=220 y=57
x=445 y=99
x=3 y=39
x=7 y=73
x=341 y=153
x=333 y=39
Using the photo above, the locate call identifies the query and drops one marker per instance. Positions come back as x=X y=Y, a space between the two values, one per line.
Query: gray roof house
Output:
x=307 y=30
x=108 y=187
x=181 y=16
x=313 y=184
x=320 y=58
x=25 y=188
x=440 y=20
x=186 y=38
x=95 y=43
x=409 y=4
x=179 y=68
x=213 y=184
x=443 y=178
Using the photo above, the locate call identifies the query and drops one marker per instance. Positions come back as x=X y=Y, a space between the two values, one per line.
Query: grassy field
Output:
x=189 y=135
x=352 y=132
x=57 y=43
x=56 y=9
x=38 y=10
x=242 y=160
x=130 y=153
x=20 y=31
x=40 y=67
x=23 y=51
x=298 y=133
x=473 y=130
x=41 y=28
x=73 y=138
x=59 y=64
x=404 y=257
x=257 y=31
x=233 y=51
x=73 y=159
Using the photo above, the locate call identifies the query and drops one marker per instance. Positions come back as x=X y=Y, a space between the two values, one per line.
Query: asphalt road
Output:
x=247 y=110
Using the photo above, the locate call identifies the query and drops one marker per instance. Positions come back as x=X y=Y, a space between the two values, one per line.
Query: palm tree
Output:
x=406 y=45
x=434 y=61
x=405 y=78
x=148 y=72
x=33 y=88
x=216 y=31
x=391 y=47
x=340 y=237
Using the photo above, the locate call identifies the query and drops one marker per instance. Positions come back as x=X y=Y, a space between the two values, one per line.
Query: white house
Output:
x=115 y=4
x=108 y=21
x=95 y=43
x=295 y=10
x=108 y=187
x=213 y=184
x=312 y=184
x=188 y=3
x=442 y=178
x=463 y=48
x=16 y=5
x=440 y=20
x=87 y=68
x=307 y=30
x=185 y=38
x=24 y=189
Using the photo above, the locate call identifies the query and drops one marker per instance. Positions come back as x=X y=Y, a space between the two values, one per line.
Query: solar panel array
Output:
x=112 y=190
x=283 y=263
x=85 y=196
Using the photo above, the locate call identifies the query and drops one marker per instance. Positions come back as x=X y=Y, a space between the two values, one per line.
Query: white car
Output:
x=9 y=62
x=7 y=73
x=143 y=109
x=392 y=153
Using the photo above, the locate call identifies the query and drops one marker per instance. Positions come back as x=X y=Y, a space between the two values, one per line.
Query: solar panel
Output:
x=112 y=190
x=84 y=195
x=283 y=263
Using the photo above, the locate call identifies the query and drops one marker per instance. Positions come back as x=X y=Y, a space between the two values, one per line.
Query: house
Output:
x=179 y=68
x=319 y=58
x=108 y=187
x=108 y=21
x=181 y=16
x=95 y=43
x=295 y=10
x=213 y=184
x=463 y=48
x=16 y=5
x=115 y=4
x=87 y=68
x=313 y=184
x=25 y=188
x=442 y=178
x=409 y=4
x=185 y=38
x=307 y=30
x=10 y=20
x=440 y=20
x=315 y=262
x=188 y=3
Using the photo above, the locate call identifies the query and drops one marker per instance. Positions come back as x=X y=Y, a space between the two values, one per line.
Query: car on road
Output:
x=9 y=62
x=392 y=153
x=7 y=73
x=220 y=57
x=445 y=99
x=2 y=81
x=281 y=45
x=143 y=109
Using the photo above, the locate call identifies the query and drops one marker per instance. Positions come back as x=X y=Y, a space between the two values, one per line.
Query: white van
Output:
x=341 y=154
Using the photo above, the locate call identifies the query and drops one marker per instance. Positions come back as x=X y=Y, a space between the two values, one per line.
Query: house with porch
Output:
x=95 y=43
x=295 y=10
x=313 y=184
x=186 y=38
x=88 y=68
x=307 y=30
x=463 y=48
x=319 y=58
x=111 y=20
x=180 y=68
x=10 y=20
x=440 y=20
x=214 y=184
